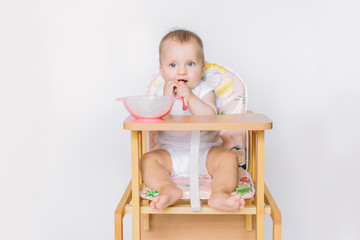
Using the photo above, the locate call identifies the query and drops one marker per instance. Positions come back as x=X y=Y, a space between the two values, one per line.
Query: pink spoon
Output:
x=185 y=105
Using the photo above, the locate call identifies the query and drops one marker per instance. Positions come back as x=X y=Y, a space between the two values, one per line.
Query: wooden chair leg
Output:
x=119 y=230
x=276 y=231
x=275 y=214
x=135 y=173
x=248 y=218
x=259 y=195
x=120 y=213
x=146 y=217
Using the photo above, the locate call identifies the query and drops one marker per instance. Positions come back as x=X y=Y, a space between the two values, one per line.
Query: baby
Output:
x=182 y=66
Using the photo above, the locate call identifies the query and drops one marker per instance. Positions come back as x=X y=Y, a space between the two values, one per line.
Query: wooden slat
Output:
x=253 y=155
x=145 y=217
x=186 y=209
x=248 y=217
x=144 y=142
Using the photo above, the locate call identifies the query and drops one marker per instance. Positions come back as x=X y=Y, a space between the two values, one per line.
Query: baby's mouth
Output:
x=179 y=80
x=182 y=80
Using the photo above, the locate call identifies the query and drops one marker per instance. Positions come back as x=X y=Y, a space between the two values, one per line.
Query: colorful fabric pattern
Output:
x=245 y=187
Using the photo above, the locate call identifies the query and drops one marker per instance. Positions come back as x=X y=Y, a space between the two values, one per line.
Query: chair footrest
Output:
x=186 y=209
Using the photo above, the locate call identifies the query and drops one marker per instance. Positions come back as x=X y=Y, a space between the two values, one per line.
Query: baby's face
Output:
x=182 y=61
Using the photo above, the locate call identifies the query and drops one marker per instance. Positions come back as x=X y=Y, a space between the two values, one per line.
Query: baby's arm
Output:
x=204 y=106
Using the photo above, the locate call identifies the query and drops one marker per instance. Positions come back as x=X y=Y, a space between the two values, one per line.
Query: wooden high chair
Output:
x=163 y=225
x=182 y=221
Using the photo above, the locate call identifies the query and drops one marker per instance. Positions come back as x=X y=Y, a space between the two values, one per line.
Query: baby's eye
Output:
x=190 y=64
x=172 y=65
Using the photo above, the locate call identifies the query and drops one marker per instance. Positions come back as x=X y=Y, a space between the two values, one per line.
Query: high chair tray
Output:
x=215 y=122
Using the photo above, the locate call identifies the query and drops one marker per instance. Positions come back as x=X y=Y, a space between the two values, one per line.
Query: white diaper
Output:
x=181 y=162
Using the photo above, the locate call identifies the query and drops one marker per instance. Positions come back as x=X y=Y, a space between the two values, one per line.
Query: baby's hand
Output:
x=169 y=88
x=184 y=91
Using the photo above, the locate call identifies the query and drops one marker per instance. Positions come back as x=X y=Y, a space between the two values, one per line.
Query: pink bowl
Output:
x=148 y=107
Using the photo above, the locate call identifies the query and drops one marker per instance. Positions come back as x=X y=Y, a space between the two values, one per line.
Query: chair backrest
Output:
x=233 y=95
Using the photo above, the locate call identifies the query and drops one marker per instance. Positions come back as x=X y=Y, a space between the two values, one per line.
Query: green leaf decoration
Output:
x=240 y=98
x=151 y=193
x=243 y=189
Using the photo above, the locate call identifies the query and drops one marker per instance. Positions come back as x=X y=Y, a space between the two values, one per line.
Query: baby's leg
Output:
x=155 y=168
x=223 y=166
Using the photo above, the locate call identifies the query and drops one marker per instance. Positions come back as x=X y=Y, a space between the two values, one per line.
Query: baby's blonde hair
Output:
x=183 y=36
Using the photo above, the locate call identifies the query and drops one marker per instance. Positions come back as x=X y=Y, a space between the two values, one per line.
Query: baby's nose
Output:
x=182 y=71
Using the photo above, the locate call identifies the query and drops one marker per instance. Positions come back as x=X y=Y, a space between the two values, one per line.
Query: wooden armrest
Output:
x=275 y=211
x=120 y=209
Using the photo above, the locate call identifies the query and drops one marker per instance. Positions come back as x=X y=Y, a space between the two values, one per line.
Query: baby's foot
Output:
x=225 y=201
x=166 y=197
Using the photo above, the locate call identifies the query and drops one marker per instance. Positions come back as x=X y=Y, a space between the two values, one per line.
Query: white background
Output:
x=65 y=159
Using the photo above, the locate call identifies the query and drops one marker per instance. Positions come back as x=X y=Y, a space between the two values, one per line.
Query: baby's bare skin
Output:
x=166 y=197
x=220 y=200
x=225 y=201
